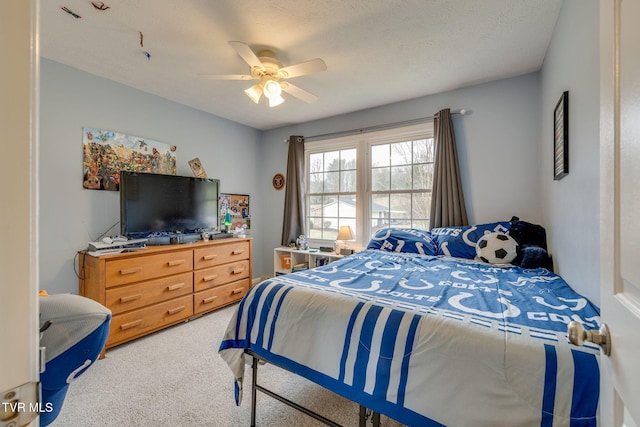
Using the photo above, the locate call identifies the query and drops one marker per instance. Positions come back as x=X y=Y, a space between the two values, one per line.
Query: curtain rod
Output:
x=374 y=128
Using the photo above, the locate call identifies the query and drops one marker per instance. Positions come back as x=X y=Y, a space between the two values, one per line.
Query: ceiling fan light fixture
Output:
x=265 y=67
x=254 y=92
x=274 y=101
x=273 y=91
x=272 y=88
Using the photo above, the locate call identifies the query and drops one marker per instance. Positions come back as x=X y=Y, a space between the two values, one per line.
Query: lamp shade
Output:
x=272 y=90
x=345 y=233
x=254 y=92
x=274 y=101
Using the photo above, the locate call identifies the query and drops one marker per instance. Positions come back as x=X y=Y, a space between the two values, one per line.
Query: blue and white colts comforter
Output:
x=427 y=340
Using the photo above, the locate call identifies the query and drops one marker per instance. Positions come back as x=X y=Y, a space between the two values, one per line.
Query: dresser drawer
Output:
x=136 y=269
x=216 y=255
x=220 y=295
x=130 y=297
x=215 y=276
x=138 y=322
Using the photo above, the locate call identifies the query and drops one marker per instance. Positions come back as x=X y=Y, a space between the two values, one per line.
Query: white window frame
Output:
x=362 y=143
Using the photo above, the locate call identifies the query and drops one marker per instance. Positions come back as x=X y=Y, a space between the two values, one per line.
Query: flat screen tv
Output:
x=154 y=204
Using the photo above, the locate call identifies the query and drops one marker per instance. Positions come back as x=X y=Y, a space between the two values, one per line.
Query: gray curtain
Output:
x=447 y=200
x=294 y=214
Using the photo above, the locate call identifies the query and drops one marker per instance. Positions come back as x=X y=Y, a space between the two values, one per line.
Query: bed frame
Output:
x=364 y=415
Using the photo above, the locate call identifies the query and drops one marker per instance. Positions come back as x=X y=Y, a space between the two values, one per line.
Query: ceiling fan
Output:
x=271 y=75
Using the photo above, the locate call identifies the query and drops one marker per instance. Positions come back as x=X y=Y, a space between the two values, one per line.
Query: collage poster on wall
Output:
x=106 y=153
x=238 y=206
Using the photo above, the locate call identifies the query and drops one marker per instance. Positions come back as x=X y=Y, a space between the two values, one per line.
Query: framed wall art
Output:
x=237 y=205
x=106 y=153
x=561 y=137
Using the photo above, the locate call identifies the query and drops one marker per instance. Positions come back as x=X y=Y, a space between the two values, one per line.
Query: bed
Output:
x=425 y=337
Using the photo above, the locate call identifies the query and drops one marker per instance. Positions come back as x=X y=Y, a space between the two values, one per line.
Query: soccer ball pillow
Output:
x=496 y=248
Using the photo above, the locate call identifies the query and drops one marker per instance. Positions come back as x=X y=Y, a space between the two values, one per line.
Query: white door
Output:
x=620 y=209
x=18 y=221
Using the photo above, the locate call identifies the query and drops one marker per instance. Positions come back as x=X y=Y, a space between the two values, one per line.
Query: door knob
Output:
x=578 y=335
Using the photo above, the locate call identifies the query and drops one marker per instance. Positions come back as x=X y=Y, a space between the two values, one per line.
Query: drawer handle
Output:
x=237 y=291
x=237 y=271
x=237 y=252
x=175 y=287
x=175 y=262
x=130 y=325
x=209 y=278
x=175 y=310
x=130 y=298
x=208 y=300
x=131 y=270
x=209 y=257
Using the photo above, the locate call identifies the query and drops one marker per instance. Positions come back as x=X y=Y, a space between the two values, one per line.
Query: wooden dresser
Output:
x=158 y=286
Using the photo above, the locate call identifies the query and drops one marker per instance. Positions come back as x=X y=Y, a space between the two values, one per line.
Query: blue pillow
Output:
x=410 y=240
x=461 y=241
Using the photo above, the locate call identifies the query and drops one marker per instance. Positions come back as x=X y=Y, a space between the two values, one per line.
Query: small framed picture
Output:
x=561 y=137
x=197 y=168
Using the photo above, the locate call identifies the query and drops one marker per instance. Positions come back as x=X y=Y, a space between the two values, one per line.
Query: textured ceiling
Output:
x=377 y=51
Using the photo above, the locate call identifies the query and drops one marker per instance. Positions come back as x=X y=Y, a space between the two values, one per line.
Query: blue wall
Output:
x=570 y=206
x=497 y=147
x=497 y=143
x=69 y=215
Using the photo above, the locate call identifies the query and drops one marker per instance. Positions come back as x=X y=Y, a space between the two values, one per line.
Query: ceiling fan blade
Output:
x=298 y=92
x=303 y=68
x=226 y=76
x=246 y=53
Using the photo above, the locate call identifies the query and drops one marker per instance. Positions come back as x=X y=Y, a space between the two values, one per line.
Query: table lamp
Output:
x=345 y=233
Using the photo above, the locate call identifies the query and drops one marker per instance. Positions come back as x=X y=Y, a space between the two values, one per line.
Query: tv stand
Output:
x=159 y=286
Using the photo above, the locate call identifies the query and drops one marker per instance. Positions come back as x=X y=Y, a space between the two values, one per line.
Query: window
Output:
x=401 y=180
x=332 y=200
x=369 y=182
